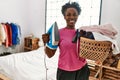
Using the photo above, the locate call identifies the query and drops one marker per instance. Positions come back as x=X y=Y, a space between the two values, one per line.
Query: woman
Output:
x=70 y=65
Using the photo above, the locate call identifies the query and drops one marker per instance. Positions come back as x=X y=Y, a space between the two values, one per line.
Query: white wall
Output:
x=29 y=14
x=111 y=14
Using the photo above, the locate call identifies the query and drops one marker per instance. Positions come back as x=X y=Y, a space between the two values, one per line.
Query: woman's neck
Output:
x=70 y=27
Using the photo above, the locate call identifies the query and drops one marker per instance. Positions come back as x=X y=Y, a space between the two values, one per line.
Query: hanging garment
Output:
x=19 y=33
x=2 y=34
x=14 y=33
x=9 y=34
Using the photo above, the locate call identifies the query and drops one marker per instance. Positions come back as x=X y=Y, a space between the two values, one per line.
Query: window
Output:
x=90 y=14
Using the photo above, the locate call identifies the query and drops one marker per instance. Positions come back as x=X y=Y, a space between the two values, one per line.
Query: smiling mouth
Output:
x=72 y=21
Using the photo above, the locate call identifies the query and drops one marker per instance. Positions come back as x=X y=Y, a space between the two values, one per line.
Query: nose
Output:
x=72 y=16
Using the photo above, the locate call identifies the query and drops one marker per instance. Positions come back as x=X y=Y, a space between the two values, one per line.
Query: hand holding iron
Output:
x=45 y=38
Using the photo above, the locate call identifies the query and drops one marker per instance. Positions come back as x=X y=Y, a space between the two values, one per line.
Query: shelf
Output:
x=110 y=73
x=107 y=73
x=31 y=43
x=111 y=68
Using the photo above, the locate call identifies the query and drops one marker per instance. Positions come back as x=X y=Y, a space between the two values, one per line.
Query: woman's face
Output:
x=71 y=16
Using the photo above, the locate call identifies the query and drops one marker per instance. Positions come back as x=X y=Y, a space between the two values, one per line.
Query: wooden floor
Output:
x=3 y=77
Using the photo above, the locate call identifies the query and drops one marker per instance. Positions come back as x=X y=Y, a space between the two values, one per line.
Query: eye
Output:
x=75 y=14
x=68 y=14
x=71 y=14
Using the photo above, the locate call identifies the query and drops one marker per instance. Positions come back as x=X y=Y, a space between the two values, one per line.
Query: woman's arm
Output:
x=45 y=38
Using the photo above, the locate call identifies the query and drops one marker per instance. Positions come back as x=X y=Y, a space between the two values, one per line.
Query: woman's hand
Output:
x=45 y=38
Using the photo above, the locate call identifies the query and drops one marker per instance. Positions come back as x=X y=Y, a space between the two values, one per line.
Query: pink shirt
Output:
x=69 y=59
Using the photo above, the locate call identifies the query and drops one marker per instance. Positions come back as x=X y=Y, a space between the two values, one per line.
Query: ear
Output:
x=64 y=17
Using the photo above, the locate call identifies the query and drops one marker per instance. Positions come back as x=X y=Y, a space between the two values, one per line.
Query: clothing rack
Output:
x=10 y=35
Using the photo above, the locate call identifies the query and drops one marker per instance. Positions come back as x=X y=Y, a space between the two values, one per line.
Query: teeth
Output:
x=72 y=21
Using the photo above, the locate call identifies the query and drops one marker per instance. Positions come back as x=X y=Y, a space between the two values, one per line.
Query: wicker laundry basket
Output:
x=94 y=50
